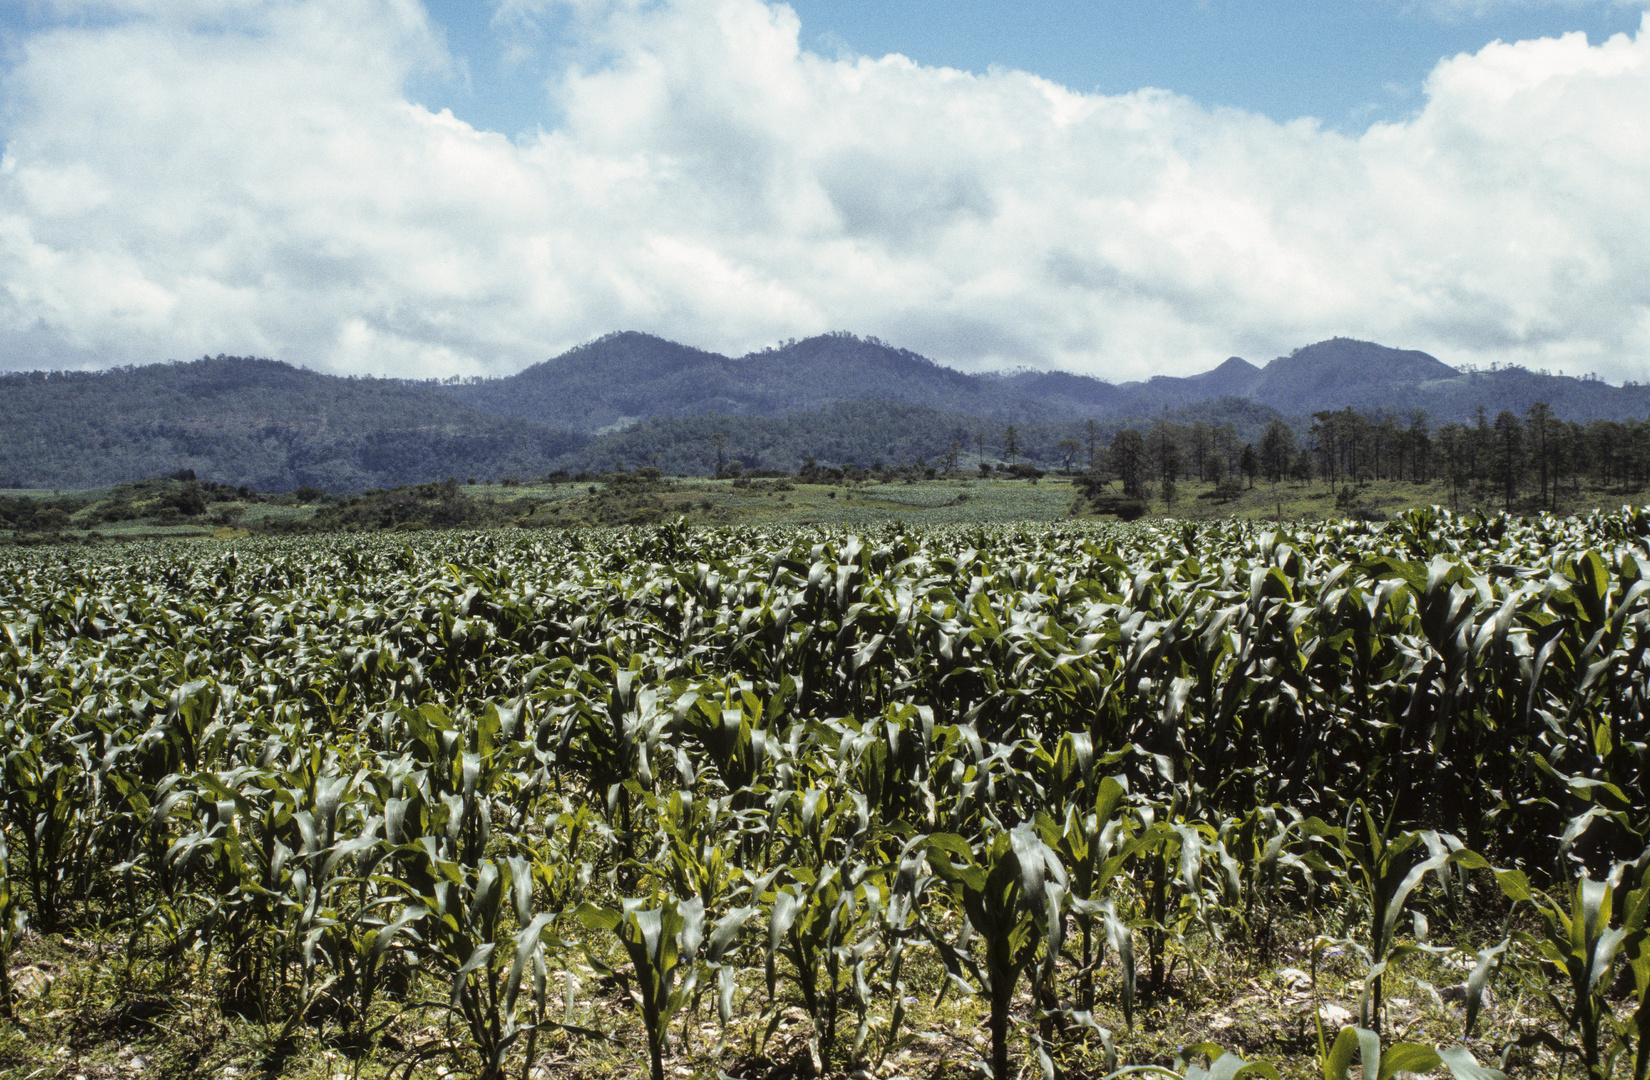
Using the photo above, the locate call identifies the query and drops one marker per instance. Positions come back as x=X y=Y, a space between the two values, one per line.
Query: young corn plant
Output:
x=438 y=829
x=1092 y=841
x=370 y=940
x=1012 y=891
x=1172 y=854
x=1578 y=937
x=669 y=952
x=48 y=797
x=613 y=741
x=731 y=726
x=826 y=925
x=693 y=858
x=468 y=944
x=1637 y=951
x=1376 y=1062
x=822 y=918
x=1259 y=852
x=899 y=919
x=1384 y=871
x=249 y=861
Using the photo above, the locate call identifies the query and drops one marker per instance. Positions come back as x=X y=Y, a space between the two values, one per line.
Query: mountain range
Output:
x=636 y=397
x=626 y=377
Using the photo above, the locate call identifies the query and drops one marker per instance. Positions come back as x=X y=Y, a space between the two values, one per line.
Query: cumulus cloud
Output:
x=253 y=178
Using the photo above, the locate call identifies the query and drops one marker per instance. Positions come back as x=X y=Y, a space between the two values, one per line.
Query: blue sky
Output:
x=429 y=189
x=1348 y=63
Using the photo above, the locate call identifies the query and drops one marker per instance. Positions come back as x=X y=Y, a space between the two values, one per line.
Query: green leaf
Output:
x=1406 y=1057
x=727 y=931
x=384 y=938
x=521 y=888
x=1515 y=885
x=598 y=918
x=528 y=942
x=1338 y=1061
x=1463 y=1066
x=1487 y=959
x=477 y=959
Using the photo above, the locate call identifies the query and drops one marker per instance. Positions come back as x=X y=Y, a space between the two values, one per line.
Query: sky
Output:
x=1123 y=190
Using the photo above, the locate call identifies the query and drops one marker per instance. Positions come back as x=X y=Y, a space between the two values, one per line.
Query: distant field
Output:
x=935 y=502
x=703 y=501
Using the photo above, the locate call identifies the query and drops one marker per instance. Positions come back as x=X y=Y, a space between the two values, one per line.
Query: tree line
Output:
x=1533 y=458
x=1530 y=459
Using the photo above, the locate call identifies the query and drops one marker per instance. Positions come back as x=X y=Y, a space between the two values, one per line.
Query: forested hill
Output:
x=1342 y=373
x=626 y=377
x=260 y=423
x=634 y=398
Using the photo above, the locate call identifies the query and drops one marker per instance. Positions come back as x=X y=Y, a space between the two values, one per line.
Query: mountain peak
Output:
x=841 y=345
x=1346 y=360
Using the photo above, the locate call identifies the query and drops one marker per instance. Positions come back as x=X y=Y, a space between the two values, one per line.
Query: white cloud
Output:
x=1453 y=10
x=251 y=178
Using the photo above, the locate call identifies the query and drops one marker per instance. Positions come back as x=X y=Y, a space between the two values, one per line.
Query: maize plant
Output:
x=1384 y=871
x=1093 y=843
x=668 y=949
x=367 y=781
x=1635 y=1040
x=825 y=919
x=1582 y=935
x=472 y=949
x=1011 y=890
x=1384 y=1063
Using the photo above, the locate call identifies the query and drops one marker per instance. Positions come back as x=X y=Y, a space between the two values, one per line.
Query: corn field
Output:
x=782 y=783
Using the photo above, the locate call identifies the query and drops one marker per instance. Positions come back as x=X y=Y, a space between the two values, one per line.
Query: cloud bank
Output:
x=251 y=177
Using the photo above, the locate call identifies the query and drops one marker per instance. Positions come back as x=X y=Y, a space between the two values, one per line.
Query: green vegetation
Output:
x=244 y=421
x=627 y=377
x=180 y=507
x=629 y=401
x=1078 y=800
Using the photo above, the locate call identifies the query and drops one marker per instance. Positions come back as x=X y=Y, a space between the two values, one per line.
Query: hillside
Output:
x=1341 y=373
x=631 y=398
x=628 y=377
x=868 y=432
x=613 y=380
x=259 y=423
